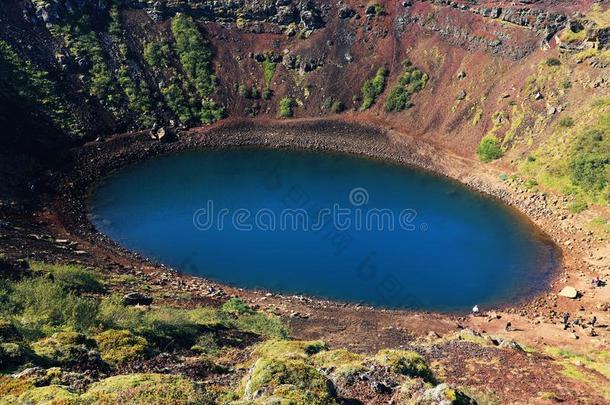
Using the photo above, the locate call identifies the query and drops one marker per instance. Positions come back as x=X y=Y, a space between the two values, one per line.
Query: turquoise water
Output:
x=325 y=225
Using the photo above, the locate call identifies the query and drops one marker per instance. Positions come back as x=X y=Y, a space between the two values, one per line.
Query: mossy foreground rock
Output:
x=144 y=389
x=405 y=362
x=292 y=381
x=120 y=346
x=67 y=348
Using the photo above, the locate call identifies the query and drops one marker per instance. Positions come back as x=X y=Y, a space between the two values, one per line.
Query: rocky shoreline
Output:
x=66 y=220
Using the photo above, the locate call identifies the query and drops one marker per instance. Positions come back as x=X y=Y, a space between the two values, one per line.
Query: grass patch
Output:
x=71 y=277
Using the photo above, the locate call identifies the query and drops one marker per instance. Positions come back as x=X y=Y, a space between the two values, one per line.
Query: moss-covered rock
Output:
x=120 y=346
x=66 y=348
x=290 y=380
x=405 y=362
x=13 y=354
x=144 y=389
x=340 y=362
x=52 y=394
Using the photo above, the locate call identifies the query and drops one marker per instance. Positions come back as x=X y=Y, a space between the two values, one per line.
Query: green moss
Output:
x=405 y=362
x=11 y=388
x=63 y=348
x=286 y=107
x=144 y=388
x=411 y=81
x=52 y=394
x=342 y=362
x=489 y=149
x=71 y=277
x=373 y=88
x=121 y=346
x=289 y=381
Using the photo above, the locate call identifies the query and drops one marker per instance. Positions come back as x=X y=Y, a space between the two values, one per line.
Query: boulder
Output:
x=136 y=298
x=569 y=292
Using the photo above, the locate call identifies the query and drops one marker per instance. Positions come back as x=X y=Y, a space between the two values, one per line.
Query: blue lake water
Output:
x=325 y=225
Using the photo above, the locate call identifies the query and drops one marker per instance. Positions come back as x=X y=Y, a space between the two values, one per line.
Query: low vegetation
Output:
x=373 y=88
x=61 y=319
x=30 y=86
x=286 y=108
x=489 y=149
x=412 y=80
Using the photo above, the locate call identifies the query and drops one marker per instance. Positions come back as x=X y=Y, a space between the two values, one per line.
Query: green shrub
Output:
x=411 y=81
x=591 y=157
x=30 y=88
x=194 y=53
x=268 y=70
x=157 y=54
x=333 y=105
x=41 y=306
x=13 y=354
x=405 y=362
x=553 y=62
x=266 y=94
x=286 y=107
x=71 y=277
x=372 y=88
x=578 y=206
x=566 y=122
x=489 y=149
x=262 y=324
x=236 y=306
x=120 y=346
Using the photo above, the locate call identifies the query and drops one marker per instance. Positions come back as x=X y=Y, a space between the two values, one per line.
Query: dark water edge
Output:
x=388 y=275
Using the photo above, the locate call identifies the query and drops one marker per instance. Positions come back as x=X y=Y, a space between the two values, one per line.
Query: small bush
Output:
x=578 y=206
x=236 y=306
x=268 y=70
x=42 y=307
x=70 y=277
x=266 y=94
x=373 y=88
x=566 y=122
x=489 y=149
x=286 y=107
x=411 y=81
x=262 y=324
x=553 y=62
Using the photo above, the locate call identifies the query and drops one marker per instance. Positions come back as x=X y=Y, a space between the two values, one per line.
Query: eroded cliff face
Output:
x=127 y=65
